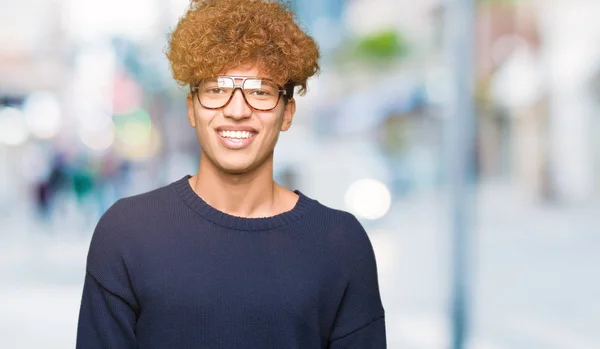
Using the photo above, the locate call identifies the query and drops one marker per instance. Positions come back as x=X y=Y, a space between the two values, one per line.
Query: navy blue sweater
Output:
x=166 y=270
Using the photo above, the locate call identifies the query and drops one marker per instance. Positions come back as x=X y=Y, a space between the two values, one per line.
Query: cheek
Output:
x=204 y=127
x=272 y=135
x=272 y=121
x=271 y=127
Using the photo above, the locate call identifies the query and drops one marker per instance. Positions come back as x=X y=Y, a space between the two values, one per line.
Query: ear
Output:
x=288 y=114
x=191 y=115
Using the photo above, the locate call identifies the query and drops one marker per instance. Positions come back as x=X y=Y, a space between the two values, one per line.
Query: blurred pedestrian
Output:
x=47 y=188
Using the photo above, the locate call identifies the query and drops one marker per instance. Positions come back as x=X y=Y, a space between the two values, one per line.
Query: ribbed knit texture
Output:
x=166 y=270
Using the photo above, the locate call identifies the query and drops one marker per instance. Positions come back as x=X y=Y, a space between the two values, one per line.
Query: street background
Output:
x=89 y=113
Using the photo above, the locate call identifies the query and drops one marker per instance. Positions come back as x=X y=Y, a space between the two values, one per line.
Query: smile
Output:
x=236 y=139
x=236 y=134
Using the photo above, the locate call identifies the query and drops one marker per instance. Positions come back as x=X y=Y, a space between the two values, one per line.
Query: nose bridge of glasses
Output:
x=237 y=84
x=232 y=97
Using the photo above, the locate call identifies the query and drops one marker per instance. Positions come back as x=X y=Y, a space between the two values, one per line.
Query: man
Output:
x=228 y=258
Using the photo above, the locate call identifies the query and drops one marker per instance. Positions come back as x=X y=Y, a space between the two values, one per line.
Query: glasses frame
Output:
x=240 y=86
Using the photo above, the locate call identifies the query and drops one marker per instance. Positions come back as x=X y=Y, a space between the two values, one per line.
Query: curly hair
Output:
x=217 y=35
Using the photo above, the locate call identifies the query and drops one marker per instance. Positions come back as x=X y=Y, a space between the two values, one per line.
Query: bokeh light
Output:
x=133 y=129
x=43 y=115
x=13 y=129
x=137 y=139
x=142 y=150
x=368 y=199
x=99 y=139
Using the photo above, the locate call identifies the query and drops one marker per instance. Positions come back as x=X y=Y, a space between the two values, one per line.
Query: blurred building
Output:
x=537 y=106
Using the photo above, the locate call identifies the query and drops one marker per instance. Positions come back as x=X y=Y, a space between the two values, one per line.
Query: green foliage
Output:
x=384 y=45
x=376 y=51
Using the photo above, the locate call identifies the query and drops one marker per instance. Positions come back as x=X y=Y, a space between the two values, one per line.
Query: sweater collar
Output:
x=201 y=207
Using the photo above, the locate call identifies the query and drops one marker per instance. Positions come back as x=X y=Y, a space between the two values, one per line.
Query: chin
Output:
x=236 y=167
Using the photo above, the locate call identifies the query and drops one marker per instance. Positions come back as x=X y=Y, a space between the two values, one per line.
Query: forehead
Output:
x=249 y=70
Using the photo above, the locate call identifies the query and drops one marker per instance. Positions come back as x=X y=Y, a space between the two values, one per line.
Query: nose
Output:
x=237 y=108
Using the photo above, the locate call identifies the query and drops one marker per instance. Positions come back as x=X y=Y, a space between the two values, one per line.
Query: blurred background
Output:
x=89 y=113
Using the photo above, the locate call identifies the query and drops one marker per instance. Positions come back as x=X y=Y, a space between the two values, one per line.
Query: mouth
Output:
x=236 y=139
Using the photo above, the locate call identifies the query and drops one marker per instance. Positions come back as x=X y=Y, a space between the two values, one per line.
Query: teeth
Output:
x=235 y=134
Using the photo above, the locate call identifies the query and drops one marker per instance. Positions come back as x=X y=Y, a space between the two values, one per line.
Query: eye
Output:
x=260 y=93
x=216 y=90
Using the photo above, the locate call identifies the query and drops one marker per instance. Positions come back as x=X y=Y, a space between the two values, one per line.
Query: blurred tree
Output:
x=379 y=50
x=381 y=46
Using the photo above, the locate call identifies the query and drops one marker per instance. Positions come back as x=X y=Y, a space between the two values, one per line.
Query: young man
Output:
x=228 y=258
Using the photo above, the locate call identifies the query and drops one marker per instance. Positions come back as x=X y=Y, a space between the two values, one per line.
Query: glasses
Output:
x=260 y=94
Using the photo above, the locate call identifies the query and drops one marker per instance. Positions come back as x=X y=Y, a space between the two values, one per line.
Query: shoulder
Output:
x=135 y=208
x=338 y=220
x=132 y=215
x=115 y=243
x=147 y=202
x=346 y=241
x=344 y=232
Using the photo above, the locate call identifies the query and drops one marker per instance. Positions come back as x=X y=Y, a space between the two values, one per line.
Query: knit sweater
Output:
x=167 y=270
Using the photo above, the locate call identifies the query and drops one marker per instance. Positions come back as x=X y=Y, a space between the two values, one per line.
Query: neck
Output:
x=251 y=194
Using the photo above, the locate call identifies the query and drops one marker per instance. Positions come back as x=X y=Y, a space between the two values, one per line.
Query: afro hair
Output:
x=217 y=35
